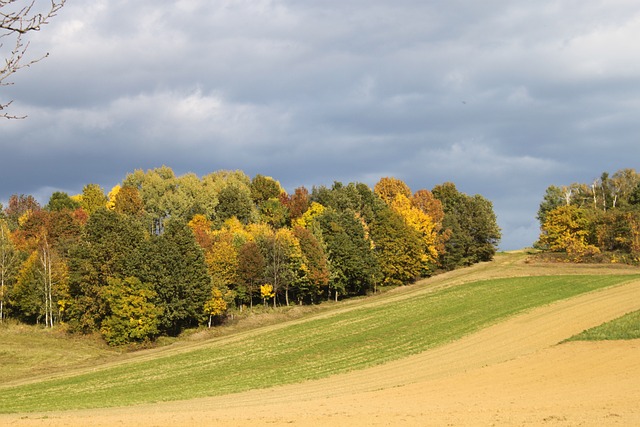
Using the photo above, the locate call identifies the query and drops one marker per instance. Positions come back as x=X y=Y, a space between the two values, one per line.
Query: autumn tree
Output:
x=283 y=260
x=298 y=202
x=234 y=201
x=389 y=187
x=9 y=263
x=315 y=265
x=566 y=229
x=398 y=248
x=128 y=202
x=19 y=205
x=18 y=18
x=264 y=188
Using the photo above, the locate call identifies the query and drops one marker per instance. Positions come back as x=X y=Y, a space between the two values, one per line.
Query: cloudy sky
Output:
x=503 y=98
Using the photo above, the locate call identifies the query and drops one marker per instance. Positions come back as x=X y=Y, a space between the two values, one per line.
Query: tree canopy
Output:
x=161 y=253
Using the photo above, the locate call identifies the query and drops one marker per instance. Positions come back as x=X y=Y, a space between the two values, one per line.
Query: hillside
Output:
x=481 y=344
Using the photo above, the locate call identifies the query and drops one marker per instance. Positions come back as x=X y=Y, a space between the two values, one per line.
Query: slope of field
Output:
x=509 y=373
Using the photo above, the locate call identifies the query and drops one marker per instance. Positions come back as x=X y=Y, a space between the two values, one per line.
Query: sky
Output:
x=502 y=98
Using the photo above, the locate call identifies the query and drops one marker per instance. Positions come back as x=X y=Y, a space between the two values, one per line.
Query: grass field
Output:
x=626 y=327
x=357 y=335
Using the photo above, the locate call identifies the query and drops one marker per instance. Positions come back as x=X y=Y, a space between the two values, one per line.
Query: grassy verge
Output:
x=626 y=327
x=325 y=345
x=31 y=351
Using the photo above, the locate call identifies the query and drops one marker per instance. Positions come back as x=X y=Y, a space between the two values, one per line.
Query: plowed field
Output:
x=512 y=373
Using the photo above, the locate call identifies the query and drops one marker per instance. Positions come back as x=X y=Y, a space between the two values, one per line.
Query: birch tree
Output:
x=8 y=264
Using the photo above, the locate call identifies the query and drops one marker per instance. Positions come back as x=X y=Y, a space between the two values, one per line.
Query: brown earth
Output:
x=513 y=373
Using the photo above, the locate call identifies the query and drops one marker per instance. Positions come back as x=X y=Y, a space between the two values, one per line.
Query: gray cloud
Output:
x=503 y=98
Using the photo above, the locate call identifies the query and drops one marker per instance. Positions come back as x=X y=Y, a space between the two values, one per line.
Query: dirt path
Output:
x=512 y=373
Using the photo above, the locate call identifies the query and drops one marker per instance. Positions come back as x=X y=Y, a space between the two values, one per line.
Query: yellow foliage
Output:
x=421 y=222
x=200 y=222
x=314 y=211
x=24 y=217
x=111 y=197
x=266 y=291
x=565 y=230
x=216 y=305
x=388 y=188
x=222 y=260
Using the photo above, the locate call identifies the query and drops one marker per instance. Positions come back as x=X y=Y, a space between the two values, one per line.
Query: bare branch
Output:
x=15 y=23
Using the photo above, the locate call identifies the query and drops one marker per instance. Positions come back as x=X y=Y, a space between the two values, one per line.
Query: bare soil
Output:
x=512 y=373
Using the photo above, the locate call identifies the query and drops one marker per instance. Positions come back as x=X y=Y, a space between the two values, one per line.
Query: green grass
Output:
x=31 y=350
x=333 y=342
x=626 y=327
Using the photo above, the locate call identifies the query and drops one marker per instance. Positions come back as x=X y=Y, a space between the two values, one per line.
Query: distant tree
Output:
x=283 y=261
x=216 y=305
x=60 y=200
x=128 y=202
x=17 y=19
x=298 y=202
x=19 y=205
x=234 y=201
x=274 y=213
x=93 y=198
x=388 y=188
x=264 y=188
x=553 y=198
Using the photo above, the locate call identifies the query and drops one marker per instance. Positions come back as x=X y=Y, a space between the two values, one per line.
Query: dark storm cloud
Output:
x=503 y=98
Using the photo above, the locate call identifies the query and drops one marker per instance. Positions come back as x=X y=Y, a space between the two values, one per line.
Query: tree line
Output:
x=160 y=253
x=598 y=221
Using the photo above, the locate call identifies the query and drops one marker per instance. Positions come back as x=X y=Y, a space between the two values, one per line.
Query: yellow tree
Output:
x=422 y=223
x=307 y=218
x=565 y=230
x=388 y=188
x=216 y=306
x=111 y=197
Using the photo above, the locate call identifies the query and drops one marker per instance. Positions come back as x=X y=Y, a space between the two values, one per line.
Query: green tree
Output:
x=112 y=247
x=132 y=315
x=234 y=201
x=9 y=263
x=472 y=224
x=176 y=267
x=264 y=188
x=60 y=200
x=93 y=198
x=351 y=258
x=251 y=265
